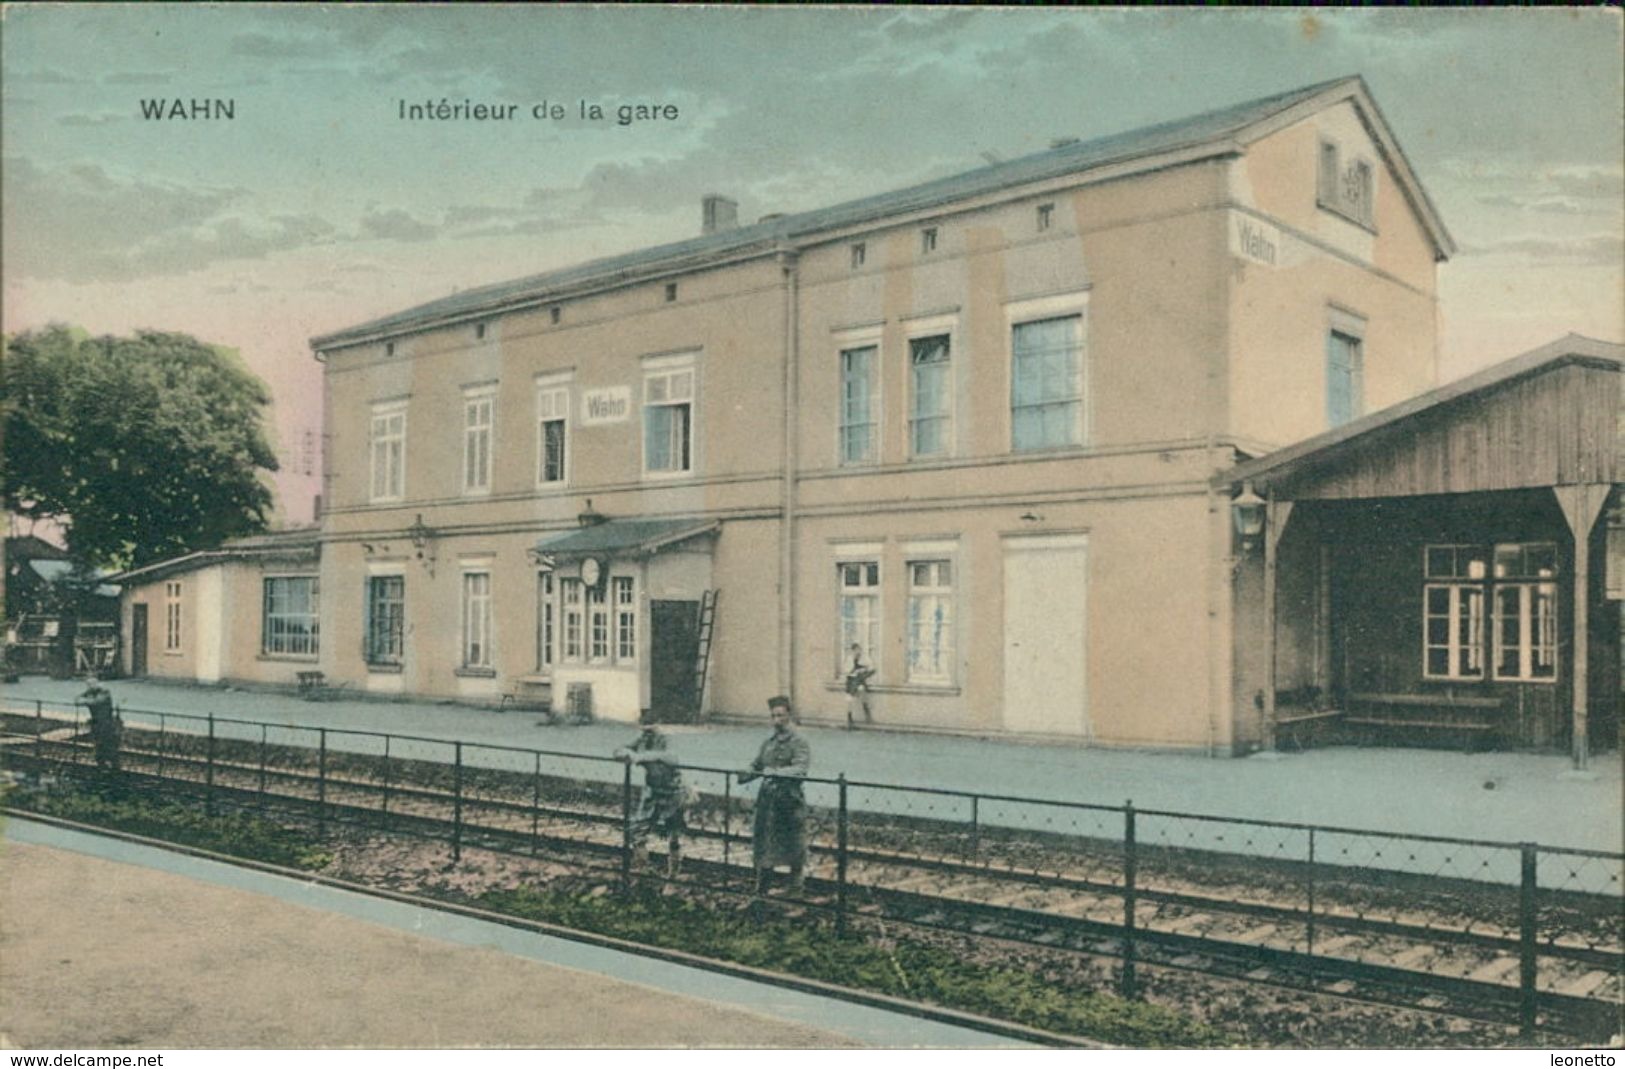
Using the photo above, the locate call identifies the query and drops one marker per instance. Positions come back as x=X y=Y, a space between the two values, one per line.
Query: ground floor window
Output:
x=289 y=625
x=930 y=621
x=476 y=619
x=570 y=613
x=544 y=621
x=1517 y=582
x=386 y=619
x=859 y=622
x=597 y=625
x=626 y=619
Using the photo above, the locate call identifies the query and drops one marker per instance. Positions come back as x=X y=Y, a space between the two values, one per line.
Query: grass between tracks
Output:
x=900 y=968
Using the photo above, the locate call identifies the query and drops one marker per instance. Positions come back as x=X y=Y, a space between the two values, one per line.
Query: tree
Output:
x=140 y=448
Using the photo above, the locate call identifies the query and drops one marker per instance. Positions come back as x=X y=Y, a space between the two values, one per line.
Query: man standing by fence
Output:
x=778 y=830
x=105 y=728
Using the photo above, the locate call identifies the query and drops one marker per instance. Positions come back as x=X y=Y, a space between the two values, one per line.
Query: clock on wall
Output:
x=592 y=572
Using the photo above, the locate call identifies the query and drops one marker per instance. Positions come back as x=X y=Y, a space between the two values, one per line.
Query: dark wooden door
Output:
x=138 y=639
x=674 y=638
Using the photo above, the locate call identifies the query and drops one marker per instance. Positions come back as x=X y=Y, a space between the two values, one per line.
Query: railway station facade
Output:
x=984 y=429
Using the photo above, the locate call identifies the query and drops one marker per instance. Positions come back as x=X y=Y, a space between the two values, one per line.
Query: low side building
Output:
x=248 y=612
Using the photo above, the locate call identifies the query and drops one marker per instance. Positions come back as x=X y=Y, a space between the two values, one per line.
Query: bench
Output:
x=1296 y=725
x=1427 y=712
x=311 y=685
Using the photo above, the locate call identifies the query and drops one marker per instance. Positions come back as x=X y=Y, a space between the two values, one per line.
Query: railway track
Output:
x=1082 y=903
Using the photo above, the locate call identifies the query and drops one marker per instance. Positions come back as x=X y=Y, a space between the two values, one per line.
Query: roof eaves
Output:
x=1568 y=349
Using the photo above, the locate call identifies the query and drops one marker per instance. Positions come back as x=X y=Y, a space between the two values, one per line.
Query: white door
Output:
x=1046 y=580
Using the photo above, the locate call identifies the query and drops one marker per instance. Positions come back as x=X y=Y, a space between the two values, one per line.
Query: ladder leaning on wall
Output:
x=702 y=658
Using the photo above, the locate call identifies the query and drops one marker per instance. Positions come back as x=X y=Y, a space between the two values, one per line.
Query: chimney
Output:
x=719 y=213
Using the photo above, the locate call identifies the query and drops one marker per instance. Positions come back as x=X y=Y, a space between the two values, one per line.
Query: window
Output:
x=1344 y=378
x=389 y=348
x=859 y=609
x=860 y=252
x=1525 y=611
x=671 y=291
x=477 y=416
x=552 y=430
x=930 y=621
x=928 y=240
x=479 y=331
x=386 y=619
x=570 y=610
x=1519 y=581
x=1346 y=188
x=476 y=619
x=1453 y=613
x=289 y=625
x=597 y=625
x=388 y=449
x=1046 y=383
x=858 y=409
x=1046 y=217
x=626 y=619
x=544 y=621
x=554 y=314
x=930 y=415
x=668 y=410
x=172 y=617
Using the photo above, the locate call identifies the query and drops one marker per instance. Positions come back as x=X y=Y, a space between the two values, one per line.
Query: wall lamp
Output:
x=1247 y=509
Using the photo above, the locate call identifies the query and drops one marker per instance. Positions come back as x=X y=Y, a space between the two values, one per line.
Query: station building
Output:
x=992 y=430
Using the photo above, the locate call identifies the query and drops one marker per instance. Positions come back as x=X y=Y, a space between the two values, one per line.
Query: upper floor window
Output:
x=928 y=240
x=552 y=431
x=668 y=418
x=858 y=408
x=1046 y=383
x=1345 y=375
x=479 y=331
x=1046 y=217
x=289 y=625
x=671 y=291
x=860 y=252
x=477 y=420
x=930 y=422
x=1346 y=185
x=388 y=451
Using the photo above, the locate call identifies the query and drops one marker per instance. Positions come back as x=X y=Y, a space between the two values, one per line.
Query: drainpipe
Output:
x=787 y=525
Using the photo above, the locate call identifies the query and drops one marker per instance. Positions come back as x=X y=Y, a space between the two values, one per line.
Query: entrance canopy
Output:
x=623 y=538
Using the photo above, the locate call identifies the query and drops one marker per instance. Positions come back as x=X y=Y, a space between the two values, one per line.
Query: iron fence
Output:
x=1538 y=927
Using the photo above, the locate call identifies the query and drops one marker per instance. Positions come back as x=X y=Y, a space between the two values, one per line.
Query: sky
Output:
x=318 y=207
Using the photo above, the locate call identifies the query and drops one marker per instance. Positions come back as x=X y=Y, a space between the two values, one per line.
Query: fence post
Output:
x=626 y=827
x=209 y=771
x=457 y=804
x=386 y=779
x=536 y=808
x=727 y=818
x=39 y=733
x=321 y=779
x=1130 y=862
x=840 y=862
x=976 y=827
x=263 y=745
x=1526 y=942
x=163 y=739
x=1310 y=932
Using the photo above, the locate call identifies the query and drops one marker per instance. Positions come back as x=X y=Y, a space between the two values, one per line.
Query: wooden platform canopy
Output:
x=1527 y=452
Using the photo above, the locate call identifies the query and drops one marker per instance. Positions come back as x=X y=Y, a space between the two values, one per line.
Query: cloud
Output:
x=100 y=118
x=1587 y=250
x=395 y=225
x=271 y=46
x=1560 y=191
x=138 y=78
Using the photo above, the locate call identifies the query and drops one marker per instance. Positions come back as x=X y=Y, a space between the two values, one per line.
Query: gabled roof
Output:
x=626 y=537
x=1225 y=131
x=1329 y=445
x=298 y=545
